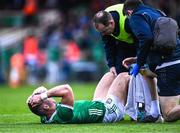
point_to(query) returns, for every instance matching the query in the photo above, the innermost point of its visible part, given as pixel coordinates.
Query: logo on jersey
(95, 112)
(111, 106)
(109, 101)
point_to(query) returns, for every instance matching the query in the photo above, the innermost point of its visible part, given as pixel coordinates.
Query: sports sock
(155, 109)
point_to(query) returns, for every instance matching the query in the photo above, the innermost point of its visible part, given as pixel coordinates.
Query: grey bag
(165, 35)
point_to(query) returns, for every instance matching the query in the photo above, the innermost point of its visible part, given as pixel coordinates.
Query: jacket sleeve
(109, 47)
(144, 35)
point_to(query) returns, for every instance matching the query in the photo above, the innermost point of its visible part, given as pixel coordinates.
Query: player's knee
(109, 75)
(125, 76)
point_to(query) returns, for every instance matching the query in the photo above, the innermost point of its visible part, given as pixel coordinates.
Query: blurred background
(53, 41)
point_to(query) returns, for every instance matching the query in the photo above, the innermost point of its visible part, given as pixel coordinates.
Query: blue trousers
(169, 80)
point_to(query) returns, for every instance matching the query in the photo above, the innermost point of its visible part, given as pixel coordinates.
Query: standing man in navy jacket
(167, 67)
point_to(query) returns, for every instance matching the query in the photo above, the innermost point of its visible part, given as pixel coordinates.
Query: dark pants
(121, 54)
(169, 80)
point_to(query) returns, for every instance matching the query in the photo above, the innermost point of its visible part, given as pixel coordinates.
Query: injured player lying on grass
(107, 105)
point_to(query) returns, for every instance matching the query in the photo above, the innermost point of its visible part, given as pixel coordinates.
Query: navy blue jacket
(142, 23)
(116, 50)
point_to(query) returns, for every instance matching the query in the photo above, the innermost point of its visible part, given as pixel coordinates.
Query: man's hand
(113, 70)
(128, 61)
(36, 100)
(148, 73)
(134, 70)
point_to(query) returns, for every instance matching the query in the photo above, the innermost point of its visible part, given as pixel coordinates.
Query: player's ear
(112, 23)
(46, 107)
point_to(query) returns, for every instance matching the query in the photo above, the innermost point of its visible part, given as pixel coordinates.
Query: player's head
(44, 108)
(103, 22)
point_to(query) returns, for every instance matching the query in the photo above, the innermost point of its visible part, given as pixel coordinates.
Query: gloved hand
(134, 69)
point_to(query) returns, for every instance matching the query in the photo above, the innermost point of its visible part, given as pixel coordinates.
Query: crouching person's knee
(169, 117)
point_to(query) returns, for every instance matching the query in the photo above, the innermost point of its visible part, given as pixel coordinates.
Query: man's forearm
(59, 91)
(143, 53)
(63, 91)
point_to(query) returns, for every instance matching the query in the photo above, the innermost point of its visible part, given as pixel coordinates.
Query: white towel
(131, 105)
(138, 92)
(146, 93)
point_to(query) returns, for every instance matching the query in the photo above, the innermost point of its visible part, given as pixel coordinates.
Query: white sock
(155, 109)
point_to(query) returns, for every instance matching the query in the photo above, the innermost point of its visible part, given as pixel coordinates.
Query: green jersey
(83, 112)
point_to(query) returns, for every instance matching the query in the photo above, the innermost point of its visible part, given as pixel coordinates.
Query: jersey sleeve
(64, 112)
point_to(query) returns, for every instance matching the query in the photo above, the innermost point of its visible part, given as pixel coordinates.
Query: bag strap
(161, 12)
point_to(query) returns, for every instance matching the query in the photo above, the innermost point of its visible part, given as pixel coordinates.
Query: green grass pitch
(16, 118)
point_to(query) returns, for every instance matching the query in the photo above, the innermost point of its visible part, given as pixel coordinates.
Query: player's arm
(62, 91)
(65, 109)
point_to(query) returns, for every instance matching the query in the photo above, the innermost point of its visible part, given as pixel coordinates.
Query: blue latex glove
(134, 70)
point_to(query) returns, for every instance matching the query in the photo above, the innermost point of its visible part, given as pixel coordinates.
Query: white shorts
(115, 110)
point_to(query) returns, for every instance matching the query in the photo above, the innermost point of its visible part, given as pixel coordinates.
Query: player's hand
(36, 100)
(128, 61)
(39, 90)
(113, 70)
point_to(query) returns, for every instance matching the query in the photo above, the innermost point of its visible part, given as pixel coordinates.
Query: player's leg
(119, 87)
(170, 108)
(151, 80)
(155, 108)
(103, 86)
(116, 98)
